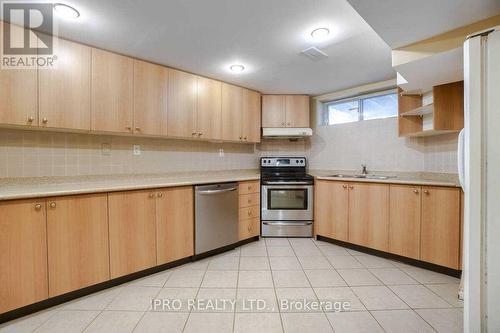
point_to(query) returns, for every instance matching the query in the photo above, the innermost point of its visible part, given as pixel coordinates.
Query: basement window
(363, 107)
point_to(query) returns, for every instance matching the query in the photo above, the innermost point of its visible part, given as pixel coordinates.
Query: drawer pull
(38, 206)
(52, 204)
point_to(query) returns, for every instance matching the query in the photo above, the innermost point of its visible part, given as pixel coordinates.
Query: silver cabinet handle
(45, 120)
(415, 191)
(287, 223)
(210, 192)
(52, 205)
(38, 206)
(30, 119)
(160, 195)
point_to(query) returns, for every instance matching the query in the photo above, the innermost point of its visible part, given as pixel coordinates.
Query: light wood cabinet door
(273, 111)
(251, 116)
(249, 228)
(331, 210)
(64, 91)
(182, 90)
(174, 224)
(23, 253)
(77, 238)
(150, 98)
(297, 111)
(209, 109)
(132, 232)
(440, 240)
(112, 92)
(369, 215)
(404, 220)
(232, 103)
(18, 91)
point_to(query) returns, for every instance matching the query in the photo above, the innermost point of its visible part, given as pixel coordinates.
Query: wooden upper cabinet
(174, 224)
(297, 111)
(132, 232)
(64, 91)
(448, 100)
(369, 215)
(440, 240)
(150, 98)
(23, 253)
(182, 91)
(273, 111)
(78, 248)
(404, 220)
(331, 210)
(232, 104)
(285, 111)
(112, 92)
(250, 122)
(18, 91)
(209, 109)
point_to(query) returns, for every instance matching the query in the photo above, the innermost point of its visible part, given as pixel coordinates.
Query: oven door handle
(288, 223)
(286, 183)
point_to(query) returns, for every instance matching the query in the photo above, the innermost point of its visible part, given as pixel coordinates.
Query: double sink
(361, 176)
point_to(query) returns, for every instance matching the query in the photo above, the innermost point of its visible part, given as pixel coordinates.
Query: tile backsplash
(374, 143)
(343, 147)
(39, 153)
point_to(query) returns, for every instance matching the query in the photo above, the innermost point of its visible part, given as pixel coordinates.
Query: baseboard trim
(57, 300)
(413, 262)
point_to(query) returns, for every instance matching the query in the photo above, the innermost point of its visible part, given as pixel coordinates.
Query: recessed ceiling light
(237, 68)
(66, 11)
(320, 33)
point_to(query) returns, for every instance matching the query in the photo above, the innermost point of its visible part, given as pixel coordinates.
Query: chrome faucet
(364, 172)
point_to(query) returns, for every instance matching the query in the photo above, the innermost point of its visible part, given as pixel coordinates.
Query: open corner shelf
(420, 111)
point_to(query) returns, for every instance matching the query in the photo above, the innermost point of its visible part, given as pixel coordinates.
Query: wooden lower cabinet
(132, 231)
(249, 209)
(440, 241)
(174, 224)
(23, 253)
(404, 221)
(332, 210)
(369, 215)
(77, 237)
(249, 228)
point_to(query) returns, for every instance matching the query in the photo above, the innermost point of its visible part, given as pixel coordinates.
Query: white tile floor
(383, 295)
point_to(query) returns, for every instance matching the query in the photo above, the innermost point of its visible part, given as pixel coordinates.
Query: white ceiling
(402, 22)
(205, 36)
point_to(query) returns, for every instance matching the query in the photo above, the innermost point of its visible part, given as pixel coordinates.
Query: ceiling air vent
(314, 53)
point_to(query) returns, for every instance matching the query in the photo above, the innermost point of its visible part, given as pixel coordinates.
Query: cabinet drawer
(250, 187)
(249, 228)
(247, 200)
(249, 212)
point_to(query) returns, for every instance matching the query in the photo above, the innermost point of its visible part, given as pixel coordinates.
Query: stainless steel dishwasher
(216, 216)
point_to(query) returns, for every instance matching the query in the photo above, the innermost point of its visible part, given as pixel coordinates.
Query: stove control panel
(283, 162)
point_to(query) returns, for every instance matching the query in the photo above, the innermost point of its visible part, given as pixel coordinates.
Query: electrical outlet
(106, 149)
(221, 152)
(137, 150)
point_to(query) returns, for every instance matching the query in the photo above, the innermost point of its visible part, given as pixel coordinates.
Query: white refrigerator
(480, 174)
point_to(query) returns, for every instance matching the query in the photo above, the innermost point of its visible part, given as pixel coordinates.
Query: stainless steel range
(287, 194)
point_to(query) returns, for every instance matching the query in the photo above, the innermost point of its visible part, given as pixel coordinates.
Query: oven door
(287, 202)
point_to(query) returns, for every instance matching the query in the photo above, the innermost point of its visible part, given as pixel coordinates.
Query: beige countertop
(38, 187)
(408, 178)
(23, 188)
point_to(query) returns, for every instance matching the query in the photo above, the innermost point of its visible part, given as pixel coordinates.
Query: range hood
(286, 133)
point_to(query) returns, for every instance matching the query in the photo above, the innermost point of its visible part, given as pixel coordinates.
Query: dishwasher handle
(213, 192)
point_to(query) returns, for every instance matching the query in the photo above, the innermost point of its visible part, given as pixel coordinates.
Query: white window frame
(359, 98)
